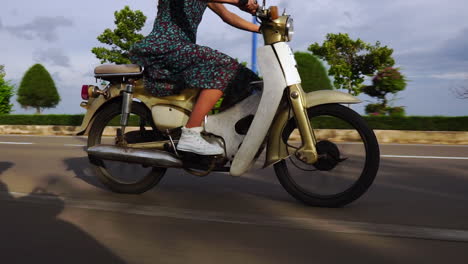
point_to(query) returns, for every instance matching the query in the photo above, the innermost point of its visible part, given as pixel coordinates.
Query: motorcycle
(316, 166)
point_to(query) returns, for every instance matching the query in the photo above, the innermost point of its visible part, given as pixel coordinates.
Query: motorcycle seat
(121, 70)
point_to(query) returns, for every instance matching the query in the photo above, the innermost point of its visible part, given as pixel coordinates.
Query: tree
(122, 38)
(6, 92)
(387, 81)
(313, 73)
(37, 89)
(351, 61)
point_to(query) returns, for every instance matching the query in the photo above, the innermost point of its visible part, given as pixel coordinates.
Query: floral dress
(174, 62)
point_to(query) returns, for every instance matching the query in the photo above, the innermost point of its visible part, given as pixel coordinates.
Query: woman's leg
(191, 139)
(206, 101)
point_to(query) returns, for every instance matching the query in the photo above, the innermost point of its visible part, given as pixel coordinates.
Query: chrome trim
(119, 74)
(155, 158)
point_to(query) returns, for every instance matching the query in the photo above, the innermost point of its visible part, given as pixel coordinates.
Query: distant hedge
(415, 123)
(57, 120)
(418, 123)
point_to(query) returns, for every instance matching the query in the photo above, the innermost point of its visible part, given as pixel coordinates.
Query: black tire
(354, 188)
(150, 177)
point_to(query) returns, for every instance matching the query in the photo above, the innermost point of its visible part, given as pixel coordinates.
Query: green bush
(56, 120)
(6, 92)
(61, 120)
(37, 89)
(418, 123)
(313, 74)
(396, 111)
(375, 109)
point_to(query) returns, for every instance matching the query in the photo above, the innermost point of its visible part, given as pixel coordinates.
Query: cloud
(447, 61)
(348, 15)
(43, 28)
(57, 77)
(53, 56)
(451, 76)
(456, 48)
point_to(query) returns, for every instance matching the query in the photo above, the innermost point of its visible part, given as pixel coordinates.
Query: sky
(429, 38)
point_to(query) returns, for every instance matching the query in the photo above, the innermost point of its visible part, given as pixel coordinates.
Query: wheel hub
(329, 156)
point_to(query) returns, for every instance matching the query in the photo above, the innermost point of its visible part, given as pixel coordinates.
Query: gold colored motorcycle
(132, 135)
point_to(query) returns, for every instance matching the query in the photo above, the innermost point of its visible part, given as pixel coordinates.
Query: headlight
(290, 28)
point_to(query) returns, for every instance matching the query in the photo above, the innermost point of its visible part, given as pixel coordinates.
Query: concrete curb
(399, 136)
(384, 136)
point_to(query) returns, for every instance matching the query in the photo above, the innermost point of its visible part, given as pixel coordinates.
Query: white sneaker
(192, 141)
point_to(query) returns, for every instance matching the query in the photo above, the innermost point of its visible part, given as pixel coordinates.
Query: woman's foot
(192, 141)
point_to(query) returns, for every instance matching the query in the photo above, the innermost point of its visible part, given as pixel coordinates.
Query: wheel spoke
(348, 159)
(122, 176)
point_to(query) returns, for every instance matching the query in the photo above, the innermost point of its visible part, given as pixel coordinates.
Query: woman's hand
(231, 18)
(249, 6)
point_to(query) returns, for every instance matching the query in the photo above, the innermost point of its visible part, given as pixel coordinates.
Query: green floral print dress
(173, 61)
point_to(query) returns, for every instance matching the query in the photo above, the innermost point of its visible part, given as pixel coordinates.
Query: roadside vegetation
(416, 123)
(350, 63)
(6, 92)
(37, 89)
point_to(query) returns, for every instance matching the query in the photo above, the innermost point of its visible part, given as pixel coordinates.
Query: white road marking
(17, 143)
(424, 145)
(335, 226)
(42, 136)
(350, 143)
(45, 136)
(74, 145)
(407, 144)
(423, 157)
(346, 143)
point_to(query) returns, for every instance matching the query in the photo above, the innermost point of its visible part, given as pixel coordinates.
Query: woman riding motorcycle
(173, 62)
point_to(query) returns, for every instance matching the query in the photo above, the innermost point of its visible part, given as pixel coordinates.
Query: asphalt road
(53, 210)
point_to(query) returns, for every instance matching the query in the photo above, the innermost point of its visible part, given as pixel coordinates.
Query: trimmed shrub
(37, 89)
(313, 74)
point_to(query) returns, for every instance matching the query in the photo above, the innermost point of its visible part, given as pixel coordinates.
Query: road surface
(53, 210)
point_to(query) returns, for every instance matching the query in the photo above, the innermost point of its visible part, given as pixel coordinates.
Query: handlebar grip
(274, 12)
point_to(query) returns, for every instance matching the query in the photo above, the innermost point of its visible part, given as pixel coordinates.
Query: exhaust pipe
(154, 158)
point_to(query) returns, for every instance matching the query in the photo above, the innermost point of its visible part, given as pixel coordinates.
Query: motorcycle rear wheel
(122, 177)
(346, 169)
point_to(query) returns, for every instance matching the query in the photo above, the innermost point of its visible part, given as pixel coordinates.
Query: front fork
(307, 153)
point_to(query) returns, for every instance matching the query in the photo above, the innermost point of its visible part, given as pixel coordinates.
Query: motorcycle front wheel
(118, 176)
(348, 162)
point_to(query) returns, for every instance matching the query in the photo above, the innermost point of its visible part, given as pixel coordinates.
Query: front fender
(329, 97)
(276, 148)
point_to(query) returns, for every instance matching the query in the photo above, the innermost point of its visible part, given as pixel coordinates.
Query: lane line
(350, 143)
(383, 156)
(335, 226)
(423, 157)
(424, 145)
(17, 143)
(42, 136)
(408, 144)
